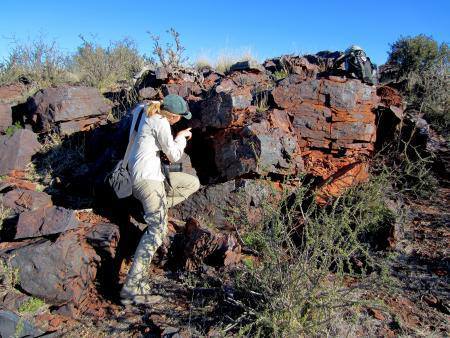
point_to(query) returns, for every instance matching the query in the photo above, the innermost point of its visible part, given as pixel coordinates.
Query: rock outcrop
(20, 200)
(16, 150)
(62, 272)
(321, 126)
(256, 129)
(67, 109)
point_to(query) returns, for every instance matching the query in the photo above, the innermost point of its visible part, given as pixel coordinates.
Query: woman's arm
(172, 148)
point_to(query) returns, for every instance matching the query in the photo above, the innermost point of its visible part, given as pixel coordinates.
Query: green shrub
(425, 66)
(413, 54)
(280, 74)
(31, 305)
(409, 170)
(35, 61)
(12, 129)
(305, 253)
(106, 67)
(9, 276)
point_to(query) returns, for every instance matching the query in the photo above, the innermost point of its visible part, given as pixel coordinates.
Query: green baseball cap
(175, 104)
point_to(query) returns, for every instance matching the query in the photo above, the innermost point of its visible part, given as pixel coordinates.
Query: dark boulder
(228, 204)
(20, 200)
(45, 221)
(67, 109)
(63, 272)
(12, 325)
(16, 150)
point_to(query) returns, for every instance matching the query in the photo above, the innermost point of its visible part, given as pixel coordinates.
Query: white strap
(138, 110)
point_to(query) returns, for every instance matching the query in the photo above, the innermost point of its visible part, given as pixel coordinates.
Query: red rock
(13, 93)
(389, 96)
(45, 221)
(63, 272)
(70, 127)
(375, 313)
(16, 150)
(50, 108)
(204, 246)
(20, 183)
(5, 116)
(20, 200)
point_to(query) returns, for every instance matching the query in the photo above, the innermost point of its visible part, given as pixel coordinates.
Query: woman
(154, 135)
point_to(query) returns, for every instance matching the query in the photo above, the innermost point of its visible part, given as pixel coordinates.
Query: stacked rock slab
(16, 150)
(310, 122)
(334, 120)
(62, 271)
(67, 109)
(319, 126)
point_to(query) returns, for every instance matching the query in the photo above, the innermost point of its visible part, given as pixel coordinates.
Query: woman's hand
(185, 133)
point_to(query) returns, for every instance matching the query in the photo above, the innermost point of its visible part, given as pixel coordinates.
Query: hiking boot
(130, 298)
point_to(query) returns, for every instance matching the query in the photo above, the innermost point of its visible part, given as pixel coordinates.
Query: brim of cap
(187, 115)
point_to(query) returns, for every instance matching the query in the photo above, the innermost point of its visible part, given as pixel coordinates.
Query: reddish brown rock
(5, 116)
(45, 221)
(148, 93)
(13, 93)
(204, 246)
(16, 150)
(324, 127)
(20, 200)
(228, 204)
(63, 272)
(184, 89)
(51, 108)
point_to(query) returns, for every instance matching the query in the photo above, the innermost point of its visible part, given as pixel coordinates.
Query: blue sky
(208, 28)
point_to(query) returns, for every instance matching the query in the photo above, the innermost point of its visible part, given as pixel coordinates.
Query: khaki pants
(155, 201)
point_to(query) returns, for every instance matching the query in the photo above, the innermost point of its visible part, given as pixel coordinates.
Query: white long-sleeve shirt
(153, 135)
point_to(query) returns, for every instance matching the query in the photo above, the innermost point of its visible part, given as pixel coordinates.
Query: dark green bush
(424, 64)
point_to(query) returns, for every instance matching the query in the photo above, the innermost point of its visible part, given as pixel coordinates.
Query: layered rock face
(67, 109)
(322, 126)
(63, 271)
(290, 117)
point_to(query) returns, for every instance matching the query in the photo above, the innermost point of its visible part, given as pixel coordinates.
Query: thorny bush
(305, 252)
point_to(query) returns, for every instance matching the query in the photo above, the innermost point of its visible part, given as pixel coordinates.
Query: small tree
(172, 56)
(415, 54)
(424, 64)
